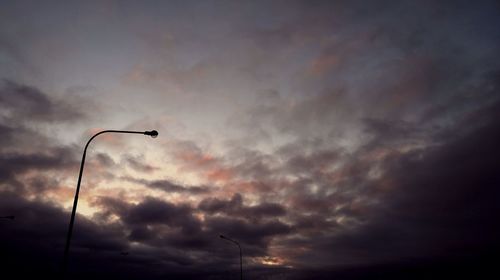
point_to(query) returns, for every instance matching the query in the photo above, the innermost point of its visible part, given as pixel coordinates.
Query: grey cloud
(154, 211)
(25, 103)
(13, 165)
(170, 187)
(105, 159)
(24, 147)
(254, 234)
(235, 207)
(309, 163)
(37, 236)
(379, 121)
(442, 199)
(151, 212)
(160, 223)
(397, 68)
(138, 164)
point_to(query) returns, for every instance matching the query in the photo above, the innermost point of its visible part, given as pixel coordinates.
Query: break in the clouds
(329, 138)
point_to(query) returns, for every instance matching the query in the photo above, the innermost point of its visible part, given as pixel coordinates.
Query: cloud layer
(345, 139)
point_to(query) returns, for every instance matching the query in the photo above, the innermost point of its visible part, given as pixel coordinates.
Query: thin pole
(241, 255)
(75, 201)
(241, 263)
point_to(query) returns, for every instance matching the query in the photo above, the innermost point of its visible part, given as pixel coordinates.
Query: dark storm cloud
(443, 202)
(170, 187)
(154, 211)
(14, 165)
(378, 123)
(32, 164)
(173, 227)
(255, 235)
(404, 77)
(147, 218)
(37, 236)
(254, 226)
(170, 231)
(235, 207)
(26, 149)
(401, 82)
(437, 202)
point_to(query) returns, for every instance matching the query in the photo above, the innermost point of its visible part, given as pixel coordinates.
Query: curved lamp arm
(152, 133)
(241, 257)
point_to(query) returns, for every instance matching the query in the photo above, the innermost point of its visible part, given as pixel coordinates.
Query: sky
(346, 139)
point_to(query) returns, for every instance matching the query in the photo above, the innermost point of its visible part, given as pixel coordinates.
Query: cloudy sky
(326, 137)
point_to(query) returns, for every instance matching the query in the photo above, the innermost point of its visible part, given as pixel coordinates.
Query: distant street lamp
(152, 133)
(241, 258)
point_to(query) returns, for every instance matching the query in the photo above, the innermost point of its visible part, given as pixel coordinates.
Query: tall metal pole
(241, 256)
(241, 263)
(152, 133)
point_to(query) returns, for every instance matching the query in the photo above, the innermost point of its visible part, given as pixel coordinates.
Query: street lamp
(152, 133)
(241, 259)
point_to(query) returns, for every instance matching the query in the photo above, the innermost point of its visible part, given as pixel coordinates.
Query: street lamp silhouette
(241, 258)
(152, 133)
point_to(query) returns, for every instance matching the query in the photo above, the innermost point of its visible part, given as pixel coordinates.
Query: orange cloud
(219, 175)
(194, 158)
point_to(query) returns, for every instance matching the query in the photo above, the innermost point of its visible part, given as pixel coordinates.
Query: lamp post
(241, 258)
(152, 133)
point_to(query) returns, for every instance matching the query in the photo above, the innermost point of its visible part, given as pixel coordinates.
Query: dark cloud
(169, 187)
(255, 235)
(235, 207)
(139, 165)
(154, 211)
(370, 148)
(441, 203)
(153, 220)
(26, 150)
(36, 238)
(171, 226)
(104, 160)
(21, 102)
(14, 165)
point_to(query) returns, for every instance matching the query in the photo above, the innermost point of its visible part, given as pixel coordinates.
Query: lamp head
(152, 133)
